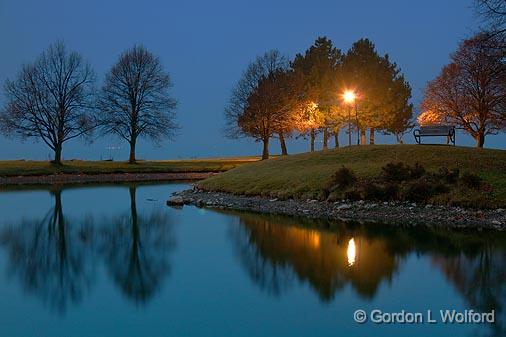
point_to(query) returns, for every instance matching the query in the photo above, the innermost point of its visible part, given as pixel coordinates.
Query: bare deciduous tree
(272, 109)
(471, 91)
(494, 14)
(51, 99)
(135, 100)
(263, 65)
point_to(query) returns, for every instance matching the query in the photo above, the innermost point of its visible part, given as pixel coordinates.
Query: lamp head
(349, 96)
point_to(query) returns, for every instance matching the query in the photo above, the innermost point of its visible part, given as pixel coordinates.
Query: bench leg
(451, 139)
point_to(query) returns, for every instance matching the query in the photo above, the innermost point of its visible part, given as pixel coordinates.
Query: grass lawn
(305, 175)
(22, 167)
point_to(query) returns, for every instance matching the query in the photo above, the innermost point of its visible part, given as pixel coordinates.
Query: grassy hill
(23, 168)
(305, 175)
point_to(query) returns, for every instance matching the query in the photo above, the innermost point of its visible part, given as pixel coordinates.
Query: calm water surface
(115, 261)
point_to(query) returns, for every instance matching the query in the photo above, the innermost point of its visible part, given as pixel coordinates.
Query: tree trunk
(371, 136)
(282, 142)
(134, 256)
(336, 137)
(325, 138)
(131, 158)
(312, 140)
(265, 153)
(480, 139)
(57, 155)
(133, 203)
(363, 140)
(59, 220)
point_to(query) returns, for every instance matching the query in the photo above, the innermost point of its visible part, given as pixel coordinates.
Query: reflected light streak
(351, 252)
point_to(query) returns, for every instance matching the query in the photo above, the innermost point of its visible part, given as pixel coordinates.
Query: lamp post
(358, 127)
(350, 97)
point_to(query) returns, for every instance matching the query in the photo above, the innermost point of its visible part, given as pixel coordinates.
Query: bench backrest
(436, 130)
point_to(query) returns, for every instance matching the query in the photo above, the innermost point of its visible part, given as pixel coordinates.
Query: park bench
(447, 131)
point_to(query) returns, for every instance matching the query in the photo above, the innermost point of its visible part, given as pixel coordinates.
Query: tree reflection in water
(481, 279)
(135, 249)
(274, 277)
(275, 251)
(55, 257)
(51, 256)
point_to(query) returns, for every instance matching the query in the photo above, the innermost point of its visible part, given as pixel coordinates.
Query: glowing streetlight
(349, 96)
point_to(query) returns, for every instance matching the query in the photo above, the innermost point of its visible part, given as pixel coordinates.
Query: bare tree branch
(471, 91)
(51, 99)
(135, 100)
(263, 65)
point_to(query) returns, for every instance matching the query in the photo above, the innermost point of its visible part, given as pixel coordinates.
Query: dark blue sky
(205, 45)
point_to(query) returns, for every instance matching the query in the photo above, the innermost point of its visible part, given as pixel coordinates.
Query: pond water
(116, 261)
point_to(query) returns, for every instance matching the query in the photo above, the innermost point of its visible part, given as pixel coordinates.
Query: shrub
(471, 180)
(342, 179)
(439, 188)
(390, 191)
(448, 176)
(395, 172)
(419, 190)
(398, 172)
(417, 171)
(352, 195)
(373, 191)
(334, 196)
(465, 197)
(399, 181)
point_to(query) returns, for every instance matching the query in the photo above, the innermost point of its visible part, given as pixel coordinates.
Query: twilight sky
(205, 45)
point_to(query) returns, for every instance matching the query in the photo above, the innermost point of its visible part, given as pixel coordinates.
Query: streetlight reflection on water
(351, 252)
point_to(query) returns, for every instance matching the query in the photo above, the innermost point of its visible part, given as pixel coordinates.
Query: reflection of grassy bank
(27, 168)
(306, 175)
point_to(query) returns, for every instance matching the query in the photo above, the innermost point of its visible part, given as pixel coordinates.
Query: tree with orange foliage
(470, 92)
(430, 117)
(309, 119)
(320, 67)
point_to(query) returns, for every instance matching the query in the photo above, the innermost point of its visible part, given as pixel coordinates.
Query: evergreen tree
(383, 93)
(320, 68)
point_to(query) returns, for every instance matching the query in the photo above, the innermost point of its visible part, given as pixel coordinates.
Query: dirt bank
(395, 213)
(101, 178)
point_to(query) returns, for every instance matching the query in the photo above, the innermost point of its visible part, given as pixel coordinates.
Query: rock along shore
(395, 213)
(102, 178)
